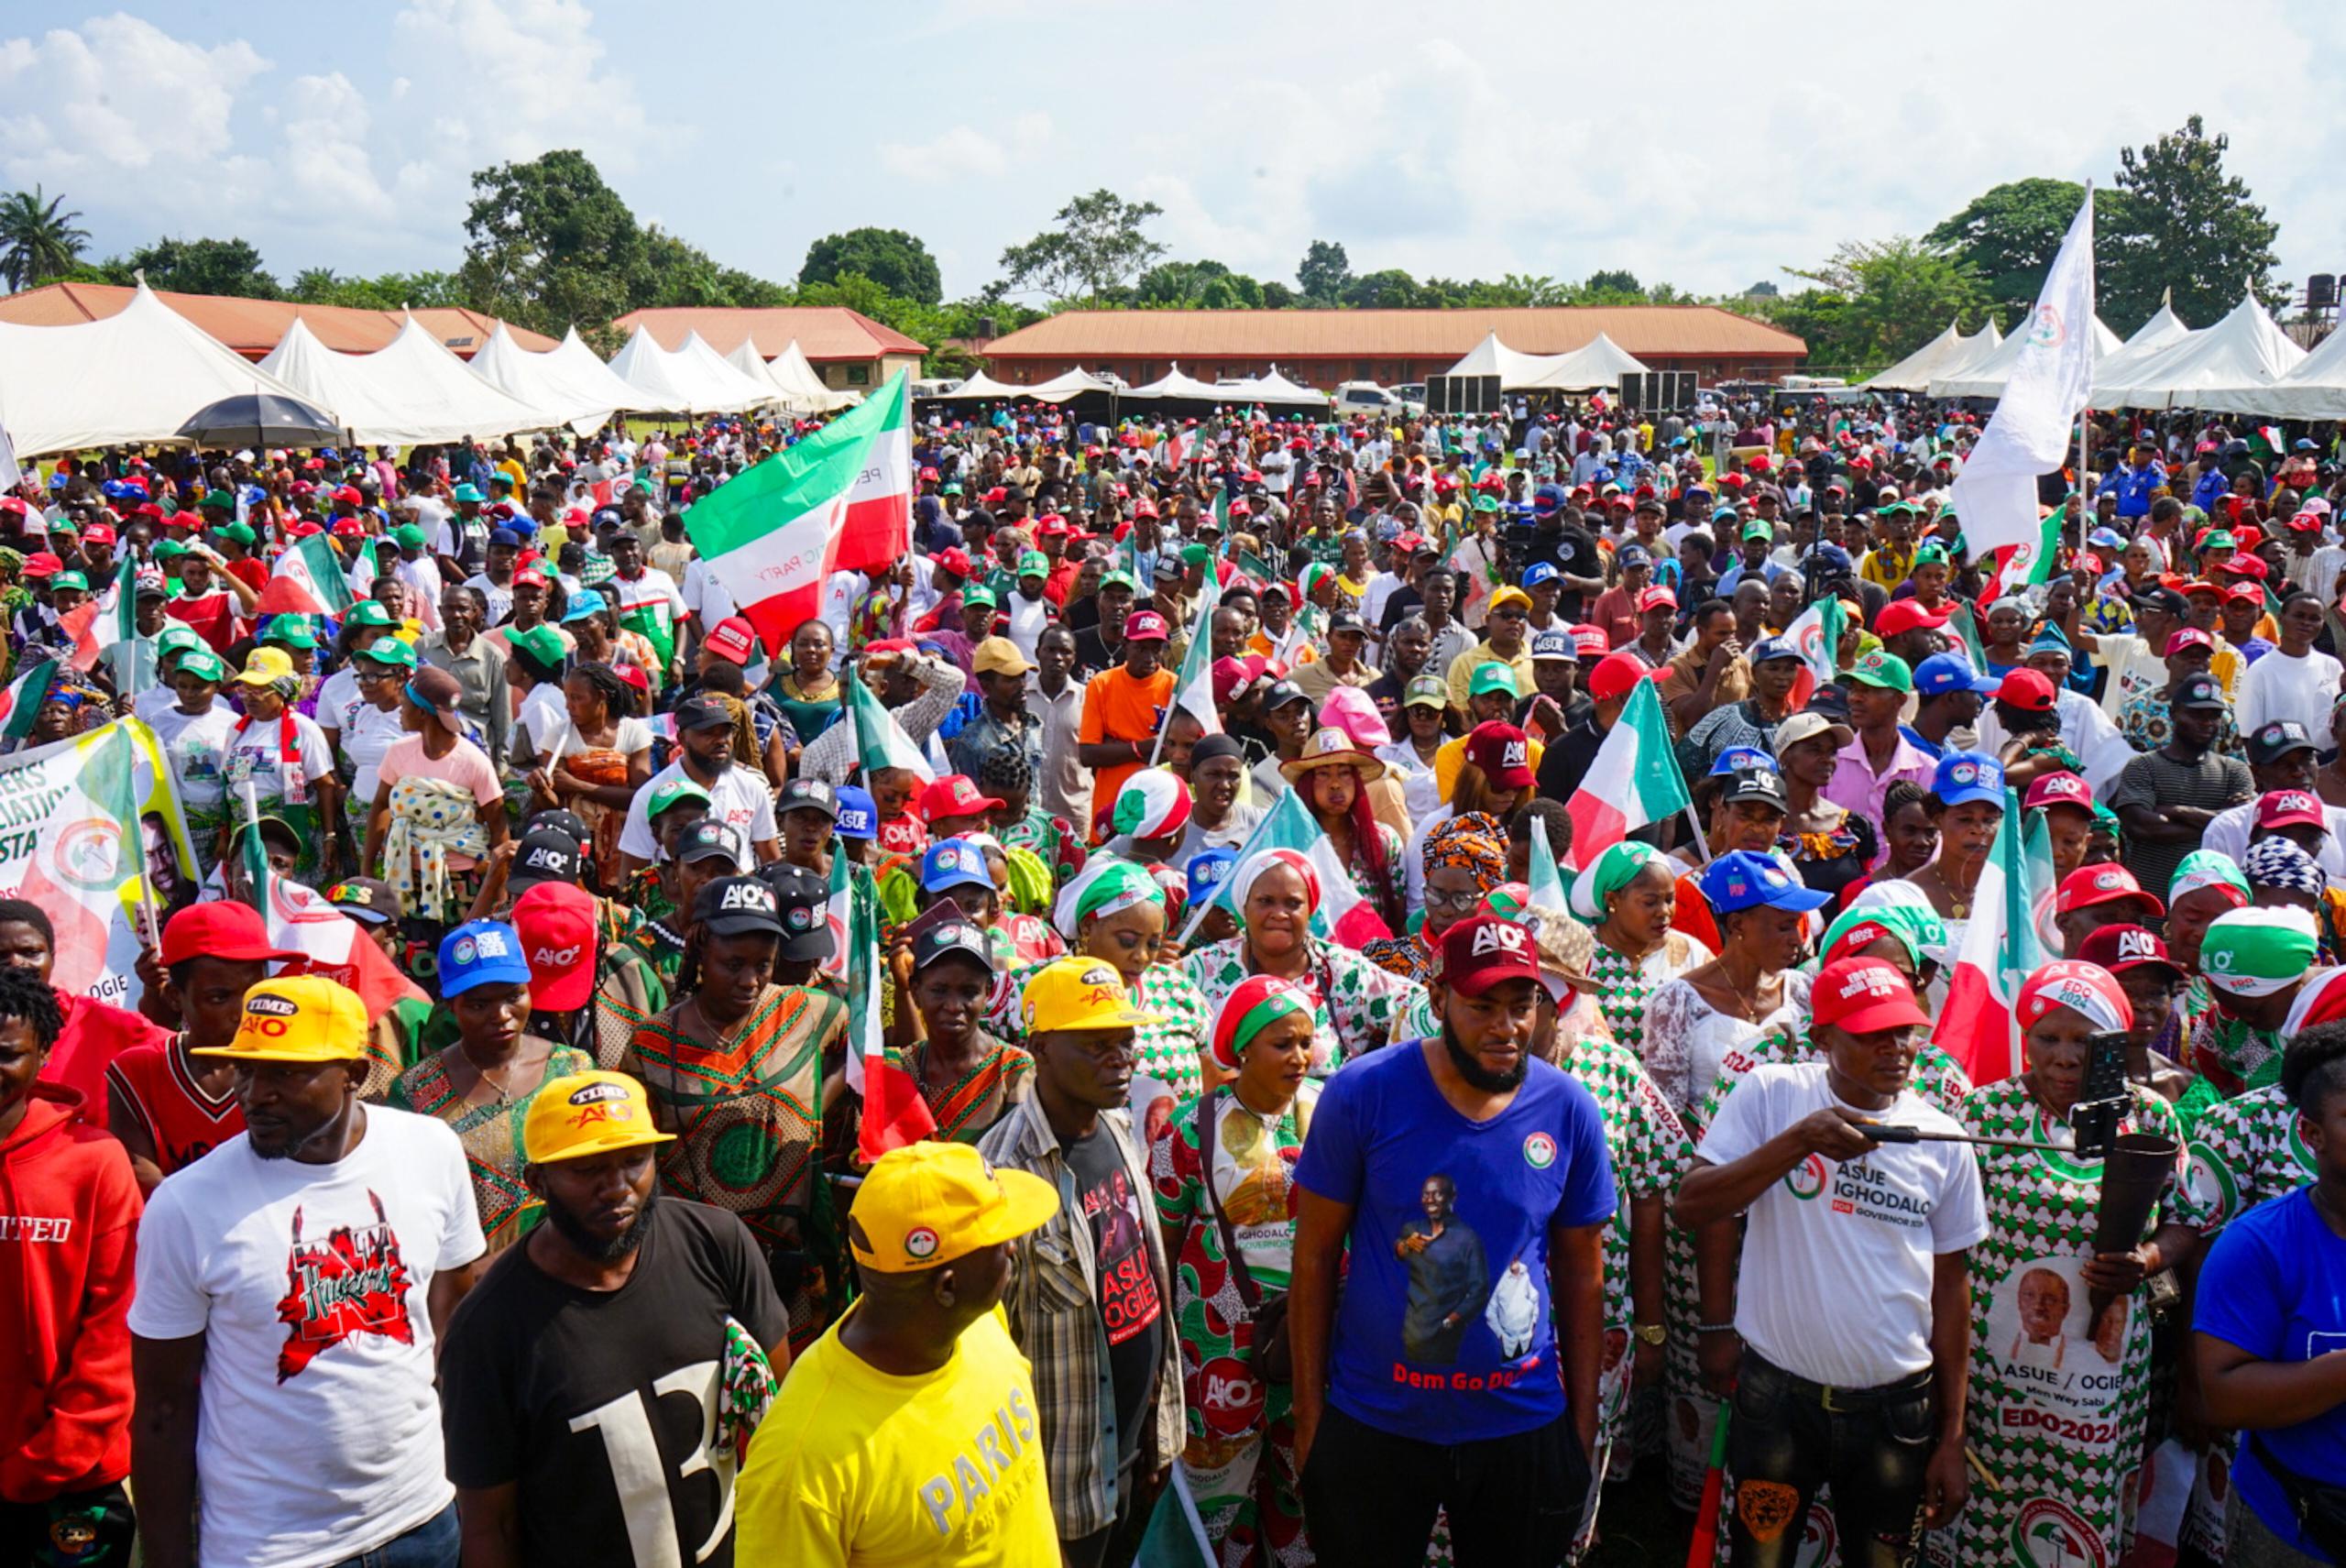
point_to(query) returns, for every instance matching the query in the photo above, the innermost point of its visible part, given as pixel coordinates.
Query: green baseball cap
(676, 791)
(982, 595)
(60, 522)
(1430, 691)
(410, 535)
(541, 642)
(175, 639)
(1120, 578)
(1492, 678)
(242, 532)
(1757, 528)
(1486, 503)
(292, 632)
(950, 488)
(391, 651)
(221, 499)
(367, 612)
(1033, 564)
(469, 493)
(167, 548)
(68, 580)
(205, 664)
(1887, 671)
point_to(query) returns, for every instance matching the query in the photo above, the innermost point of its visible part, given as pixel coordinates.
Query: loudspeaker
(2321, 291)
(1463, 394)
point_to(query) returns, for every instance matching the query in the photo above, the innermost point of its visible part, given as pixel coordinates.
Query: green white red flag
(895, 1113)
(1346, 916)
(839, 500)
(2000, 948)
(329, 942)
(1193, 685)
(2026, 565)
(307, 579)
(1815, 634)
(1634, 781)
(879, 741)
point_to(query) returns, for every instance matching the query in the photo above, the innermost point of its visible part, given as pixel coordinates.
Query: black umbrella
(261, 419)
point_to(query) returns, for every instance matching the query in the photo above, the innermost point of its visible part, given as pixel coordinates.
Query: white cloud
(324, 156)
(964, 153)
(118, 96)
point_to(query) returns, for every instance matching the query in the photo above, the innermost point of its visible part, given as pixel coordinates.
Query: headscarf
(2256, 952)
(1613, 871)
(1477, 840)
(2208, 868)
(2087, 990)
(1916, 927)
(2277, 862)
(1253, 1004)
(1250, 870)
(1105, 887)
(1152, 804)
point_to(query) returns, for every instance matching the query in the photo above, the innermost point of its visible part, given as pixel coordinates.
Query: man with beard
(581, 1382)
(1416, 1151)
(290, 1284)
(707, 733)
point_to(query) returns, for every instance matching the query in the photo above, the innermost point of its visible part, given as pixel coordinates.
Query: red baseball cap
(98, 533)
(2188, 637)
(2059, 789)
(1503, 753)
(555, 921)
(2121, 948)
(2289, 808)
(1589, 642)
(1145, 626)
(634, 676)
(1905, 615)
(219, 929)
(528, 577)
(1655, 598)
(953, 559)
(2028, 690)
(1864, 996)
(954, 795)
(1485, 950)
(349, 528)
(1617, 674)
(2089, 885)
(732, 640)
(42, 563)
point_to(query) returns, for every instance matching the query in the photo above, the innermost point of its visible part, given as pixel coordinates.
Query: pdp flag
(1633, 779)
(307, 579)
(1345, 916)
(1815, 634)
(1193, 687)
(2001, 948)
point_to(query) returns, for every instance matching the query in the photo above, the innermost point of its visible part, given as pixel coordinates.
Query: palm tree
(36, 241)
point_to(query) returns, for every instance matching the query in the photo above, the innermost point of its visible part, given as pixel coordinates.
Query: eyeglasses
(1512, 613)
(1460, 902)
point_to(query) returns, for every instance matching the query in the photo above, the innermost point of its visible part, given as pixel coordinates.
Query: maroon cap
(2028, 690)
(2289, 808)
(1145, 626)
(1503, 754)
(2187, 637)
(2059, 789)
(219, 929)
(2121, 948)
(1486, 949)
(1864, 996)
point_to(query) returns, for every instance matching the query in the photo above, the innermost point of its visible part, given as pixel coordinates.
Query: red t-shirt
(180, 1121)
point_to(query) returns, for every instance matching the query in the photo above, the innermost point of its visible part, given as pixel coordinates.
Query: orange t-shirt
(1118, 708)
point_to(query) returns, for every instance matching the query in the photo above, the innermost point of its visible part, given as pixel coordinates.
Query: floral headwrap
(1475, 841)
(1613, 871)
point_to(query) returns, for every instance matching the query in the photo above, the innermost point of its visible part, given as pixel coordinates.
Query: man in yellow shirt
(909, 1433)
(1507, 640)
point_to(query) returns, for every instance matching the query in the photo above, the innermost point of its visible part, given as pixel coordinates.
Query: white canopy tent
(801, 381)
(980, 387)
(1977, 349)
(582, 370)
(1600, 361)
(2153, 337)
(2244, 350)
(547, 381)
(131, 379)
(2314, 389)
(1987, 379)
(1277, 389)
(410, 393)
(1178, 383)
(670, 383)
(1913, 373)
(1516, 372)
(1067, 385)
(696, 352)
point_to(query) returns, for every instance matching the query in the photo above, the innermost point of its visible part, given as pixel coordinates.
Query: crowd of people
(1386, 1199)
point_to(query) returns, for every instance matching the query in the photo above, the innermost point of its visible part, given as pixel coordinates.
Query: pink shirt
(467, 767)
(1857, 788)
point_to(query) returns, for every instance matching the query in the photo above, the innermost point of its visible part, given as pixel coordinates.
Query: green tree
(1390, 290)
(2191, 227)
(1894, 294)
(890, 258)
(36, 241)
(1098, 247)
(201, 267)
(391, 292)
(1197, 285)
(549, 244)
(1277, 296)
(2011, 233)
(1619, 282)
(1323, 273)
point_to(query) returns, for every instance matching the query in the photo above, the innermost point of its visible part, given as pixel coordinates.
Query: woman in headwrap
(1465, 857)
(285, 758)
(1627, 896)
(1331, 776)
(2061, 1333)
(1115, 911)
(1026, 828)
(1222, 1169)
(72, 706)
(2281, 875)
(595, 764)
(2205, 885)
(1276, 893)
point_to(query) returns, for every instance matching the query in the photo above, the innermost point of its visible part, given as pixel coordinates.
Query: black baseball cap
(567, 823)
(803, 899)
(365, 899)
(1282, 693)
(707, 837)
(1346, 621)
(545, 855)
(953, 938)
(703, 710)
(2275, 740)
(2200, 691)
(808, 794)
(740, 907)
(2162, 598)
(1757, 783)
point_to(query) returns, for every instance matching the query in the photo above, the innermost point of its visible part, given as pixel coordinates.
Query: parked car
(1364, 397)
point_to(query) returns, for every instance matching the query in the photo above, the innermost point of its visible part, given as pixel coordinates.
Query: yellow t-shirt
(854, 1468)
(1451, 756)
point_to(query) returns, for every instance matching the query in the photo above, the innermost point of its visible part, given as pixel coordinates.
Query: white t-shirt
(1027, 618)
(634, 735)
(318, 1441)
(338, 699)
(370, 733)
(2279, 686)
(2228, 834)
(259, 750)
(154, 700)
(740, 798)
(545, 717)
(1829, 1235)
(197, 744)
(498, 594)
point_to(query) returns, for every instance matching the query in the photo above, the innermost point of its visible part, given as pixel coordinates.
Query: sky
(1459, 140)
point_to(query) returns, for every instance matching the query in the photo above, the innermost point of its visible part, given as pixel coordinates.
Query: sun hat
(1331, 747)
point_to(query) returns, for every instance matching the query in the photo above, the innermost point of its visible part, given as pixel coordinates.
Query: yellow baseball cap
(588, 1113)
(1079, 993)
(1509, 594)
(264, 665)
(928, 1203)
(297, 1018)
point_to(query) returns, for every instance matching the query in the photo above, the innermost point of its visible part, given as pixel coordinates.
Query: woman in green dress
(2060, 1332)
(1628, 895)
(807, 692)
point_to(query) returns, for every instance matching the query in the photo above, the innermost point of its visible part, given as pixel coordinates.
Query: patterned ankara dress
(1240, 1455)
(1624, 983)
(2059, 1396)
(491, 1134)
(957, 1105)
(747, 1113)
(1356, 1006)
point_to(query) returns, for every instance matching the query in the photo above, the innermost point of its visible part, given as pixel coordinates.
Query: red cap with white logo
(2289, 808)
(557, 924)
(1482, 952)
(1865, 996)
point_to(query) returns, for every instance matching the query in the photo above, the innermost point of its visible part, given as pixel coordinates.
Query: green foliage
(1619, 280)
(1196, 286)
(890, 258)
(550, 244)
(1887, 299)
(38, 243)
(2190, 228)
(199, 267)
(1097, 248)
(1391, 290)
(391, 292)
(1323, 273)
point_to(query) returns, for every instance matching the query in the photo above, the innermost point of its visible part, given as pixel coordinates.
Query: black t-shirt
(1130, 1306)
(1399, 605)
(1092, 655)
(1571, 550)
(554, 1388)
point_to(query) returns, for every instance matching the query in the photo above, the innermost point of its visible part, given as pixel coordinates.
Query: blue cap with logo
(1742, 758)
(481, 953)
(954, 863)
(1943, 673)
(859, 817)
(1540, 571)
(1741, 880)
(1969, 776)
(1209, 870)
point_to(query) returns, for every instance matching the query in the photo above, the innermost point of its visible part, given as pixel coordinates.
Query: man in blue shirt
(1470, 1183)
(2271, 1330)
(2135, 479)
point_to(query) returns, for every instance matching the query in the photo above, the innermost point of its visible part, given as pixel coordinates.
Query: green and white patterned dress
(2059, 1394)
(2243, 1152)
(1623, 983)
(1357, 1007)
(1171, 1050)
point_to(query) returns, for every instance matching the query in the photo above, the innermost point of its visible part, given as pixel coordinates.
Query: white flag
(1995, 491)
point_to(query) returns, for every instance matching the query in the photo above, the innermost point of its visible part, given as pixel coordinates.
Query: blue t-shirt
(2275, 1285)
(1444, 1331)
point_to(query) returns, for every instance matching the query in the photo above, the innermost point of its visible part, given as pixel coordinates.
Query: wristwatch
(1650, 1333)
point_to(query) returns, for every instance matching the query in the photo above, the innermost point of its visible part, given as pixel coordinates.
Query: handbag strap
(1249, 1291)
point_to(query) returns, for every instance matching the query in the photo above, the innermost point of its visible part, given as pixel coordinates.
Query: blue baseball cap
(859, 817)
(1547, 498)
(481, 953)
(585, 603)
(1943, 673)
(1738, 758)
(1969, 776)
(1209, 870)
(1540, 571)
(954, 863)
(1768, 647)
(1741, 880)
(1829, 558)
